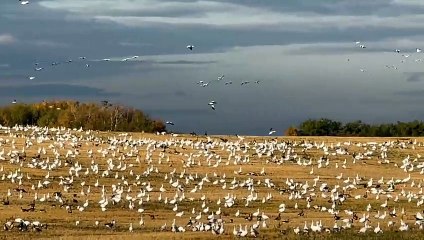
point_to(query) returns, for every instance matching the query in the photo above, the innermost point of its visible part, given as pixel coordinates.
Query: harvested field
(69, 184)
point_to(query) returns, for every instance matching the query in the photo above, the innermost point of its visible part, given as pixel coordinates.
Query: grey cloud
(163, 94)
(53, 90)
(174, 111)
(6, 39)
(184, 62)
(48, 44)
(238, 15)
(134, 44)
(415, 77)
(411, 93)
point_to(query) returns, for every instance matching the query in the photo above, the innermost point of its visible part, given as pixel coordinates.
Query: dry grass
(61, 225)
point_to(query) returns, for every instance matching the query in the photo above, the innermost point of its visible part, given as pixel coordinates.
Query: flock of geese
(397, 51)
(86, 63)
(213, 103)
(223, 185)
(238, 186)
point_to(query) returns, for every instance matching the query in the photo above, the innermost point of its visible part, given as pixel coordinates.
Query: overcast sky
(303, 52)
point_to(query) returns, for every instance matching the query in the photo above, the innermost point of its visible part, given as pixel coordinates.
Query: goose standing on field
(110, 224)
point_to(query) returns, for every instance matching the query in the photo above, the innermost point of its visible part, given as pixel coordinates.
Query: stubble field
(68, 184)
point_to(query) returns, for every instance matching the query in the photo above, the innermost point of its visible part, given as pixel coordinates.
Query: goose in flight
(190, 47)
(106, 59)
(271, 131)
(31, 78)
(358, 43)
(14, 101)
(419, 50)
(221, 77)
(244, 83)
(257, 82)
(24, 2)
(169, 123)
(230, 82)
(82, 58)
(39, 69)
(397, 50)
(212, 104)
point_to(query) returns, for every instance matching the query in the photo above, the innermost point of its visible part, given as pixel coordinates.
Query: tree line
(73, 114)
(327, 127)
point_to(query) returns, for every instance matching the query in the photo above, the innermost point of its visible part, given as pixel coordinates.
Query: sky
(302, 52)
